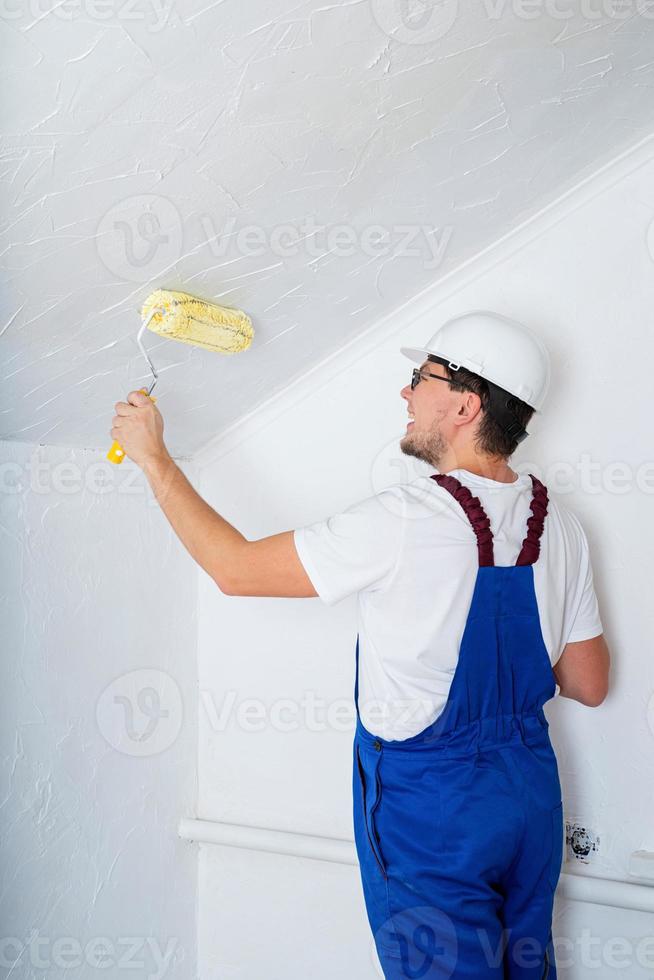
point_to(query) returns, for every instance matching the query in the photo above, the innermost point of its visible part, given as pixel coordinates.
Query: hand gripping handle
(117, 454)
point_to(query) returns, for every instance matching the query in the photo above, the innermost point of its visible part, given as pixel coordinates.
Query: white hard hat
(498, 349)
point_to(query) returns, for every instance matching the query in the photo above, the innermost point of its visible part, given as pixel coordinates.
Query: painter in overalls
(458, 824)
(459, 828)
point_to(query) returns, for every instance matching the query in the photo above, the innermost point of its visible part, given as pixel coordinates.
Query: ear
(469, 408)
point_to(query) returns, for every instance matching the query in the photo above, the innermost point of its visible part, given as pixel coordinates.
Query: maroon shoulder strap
(480, 522)
(531, 544)
(474, 512)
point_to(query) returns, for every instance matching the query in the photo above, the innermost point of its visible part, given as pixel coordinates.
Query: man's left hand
(138, 426)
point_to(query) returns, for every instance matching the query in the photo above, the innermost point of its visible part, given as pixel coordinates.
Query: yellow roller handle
(117, 454)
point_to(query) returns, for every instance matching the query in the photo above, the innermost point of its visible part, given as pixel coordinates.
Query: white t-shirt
(410, 555)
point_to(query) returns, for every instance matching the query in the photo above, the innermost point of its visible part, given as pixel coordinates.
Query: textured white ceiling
(143, 138)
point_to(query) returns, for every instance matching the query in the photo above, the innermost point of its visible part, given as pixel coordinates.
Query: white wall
(94, 587)
(585, 281)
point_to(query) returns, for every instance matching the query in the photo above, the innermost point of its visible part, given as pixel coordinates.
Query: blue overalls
(459, 829)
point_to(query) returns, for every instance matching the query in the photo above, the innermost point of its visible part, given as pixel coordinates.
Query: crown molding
(420, 305)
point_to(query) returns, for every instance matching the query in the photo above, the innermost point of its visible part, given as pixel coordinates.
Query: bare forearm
(209, 539)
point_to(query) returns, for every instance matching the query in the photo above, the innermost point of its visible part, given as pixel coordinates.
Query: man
(476, 597)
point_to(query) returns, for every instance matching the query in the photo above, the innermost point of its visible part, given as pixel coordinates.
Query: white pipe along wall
(276, 675)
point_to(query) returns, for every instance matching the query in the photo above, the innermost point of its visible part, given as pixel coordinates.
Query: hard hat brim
(414, 354)
(418, 355)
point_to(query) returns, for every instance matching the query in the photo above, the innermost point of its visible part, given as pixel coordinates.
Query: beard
(430, 447)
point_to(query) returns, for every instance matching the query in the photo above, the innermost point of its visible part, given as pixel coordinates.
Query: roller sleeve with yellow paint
(194, 321)
(180, 316)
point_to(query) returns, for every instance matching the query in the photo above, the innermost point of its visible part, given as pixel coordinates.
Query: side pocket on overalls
(546, 966)
(557, 846)
(369, 806)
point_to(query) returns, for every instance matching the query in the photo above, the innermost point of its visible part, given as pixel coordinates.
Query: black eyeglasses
(420, 374)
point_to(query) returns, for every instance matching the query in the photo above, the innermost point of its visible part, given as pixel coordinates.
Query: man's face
(430, 403)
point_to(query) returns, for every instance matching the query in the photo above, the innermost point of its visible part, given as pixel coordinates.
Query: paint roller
(180, 316)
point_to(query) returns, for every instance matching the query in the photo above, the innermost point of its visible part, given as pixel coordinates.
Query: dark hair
(491, 437)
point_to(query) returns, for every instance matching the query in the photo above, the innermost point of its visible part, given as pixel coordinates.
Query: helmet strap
(501, 405)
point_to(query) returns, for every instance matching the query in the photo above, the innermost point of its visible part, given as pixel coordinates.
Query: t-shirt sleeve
(586, 622)
(355, 550)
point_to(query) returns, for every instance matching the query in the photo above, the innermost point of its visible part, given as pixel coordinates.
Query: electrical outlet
(582, 842)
